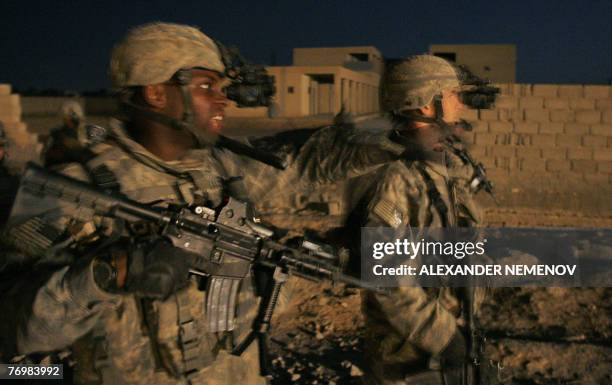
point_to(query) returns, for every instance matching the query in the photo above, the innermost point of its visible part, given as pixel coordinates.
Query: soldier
(130, 312)
(65, 143)
(429, 187)
(3, 145)
(8, 182)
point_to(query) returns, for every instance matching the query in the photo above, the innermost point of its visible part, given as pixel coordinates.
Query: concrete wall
(42, 113)
(296, 92)
(252, 112)
(548, 146)
(500, 59)
(339, 56)
(50, 105)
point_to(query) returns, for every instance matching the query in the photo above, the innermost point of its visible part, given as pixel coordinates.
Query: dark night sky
(66, 44)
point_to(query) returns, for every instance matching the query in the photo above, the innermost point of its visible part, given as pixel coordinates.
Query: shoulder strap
(434, 194)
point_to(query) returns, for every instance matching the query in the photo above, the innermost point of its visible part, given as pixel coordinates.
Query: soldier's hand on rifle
(154, 269)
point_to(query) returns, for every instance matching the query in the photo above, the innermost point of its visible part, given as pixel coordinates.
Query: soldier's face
(452, 106)
(431, 136)
(208, 100)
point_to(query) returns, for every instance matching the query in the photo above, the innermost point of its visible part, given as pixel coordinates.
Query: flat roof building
(361, 58)
(323, 80)
(496, 62)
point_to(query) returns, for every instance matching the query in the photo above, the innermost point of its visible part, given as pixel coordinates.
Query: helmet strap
(187, 122)
(183, 79)
(437, 120)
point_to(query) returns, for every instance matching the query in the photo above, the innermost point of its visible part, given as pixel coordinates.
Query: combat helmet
(158, 52)
(154, 53)
(71, 110)
(416, 82)
(413, 83)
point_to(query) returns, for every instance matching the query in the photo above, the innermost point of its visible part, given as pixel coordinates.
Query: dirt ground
(537, 335)
(533, 335)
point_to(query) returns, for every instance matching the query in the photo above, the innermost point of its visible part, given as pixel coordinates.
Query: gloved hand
(154, 269)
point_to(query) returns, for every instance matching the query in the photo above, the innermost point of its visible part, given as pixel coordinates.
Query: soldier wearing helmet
(8, 182)
(3, 144)
(65, 143)
(422, 96)
(409, 327)
(171, 77)
(130, 312)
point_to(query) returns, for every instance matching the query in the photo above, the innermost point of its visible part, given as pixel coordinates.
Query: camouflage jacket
(318, 188)
(8, 188)
(123, 339)
(404, 323)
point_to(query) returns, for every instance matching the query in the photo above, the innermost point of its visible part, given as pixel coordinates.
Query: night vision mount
(477, 93)
(251, 86)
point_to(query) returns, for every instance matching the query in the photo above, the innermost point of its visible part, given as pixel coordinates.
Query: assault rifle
(225, 243)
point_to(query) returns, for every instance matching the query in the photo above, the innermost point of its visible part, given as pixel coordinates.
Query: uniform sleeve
(336, 153)
(331, 154)
(393, 201)
(259, 179)
(52, 298)
(416, 315)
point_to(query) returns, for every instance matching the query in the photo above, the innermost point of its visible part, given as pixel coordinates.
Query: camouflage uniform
(123, 339)
(8, 182)
(408, 325)
(400, 326)
(65, 143)
(317, 190)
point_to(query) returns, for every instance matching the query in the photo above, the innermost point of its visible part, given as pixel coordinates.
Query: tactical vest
(199, 339)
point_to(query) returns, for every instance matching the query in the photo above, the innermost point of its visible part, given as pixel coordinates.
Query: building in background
(322, 80)
(362, 59)
(319, 83)
(496, 62)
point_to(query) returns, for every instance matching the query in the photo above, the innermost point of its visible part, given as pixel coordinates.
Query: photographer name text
(475, 270)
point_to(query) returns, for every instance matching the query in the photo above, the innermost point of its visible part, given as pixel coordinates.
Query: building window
(290, 90)
(359, 56)
(323, 78)
(450, 56)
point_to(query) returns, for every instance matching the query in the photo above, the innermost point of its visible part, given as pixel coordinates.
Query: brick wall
(548, 146)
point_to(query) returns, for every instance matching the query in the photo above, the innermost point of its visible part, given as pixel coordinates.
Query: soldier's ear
(154, 95)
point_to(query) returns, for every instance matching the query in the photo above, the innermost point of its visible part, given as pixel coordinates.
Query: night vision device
(477, 93)
(250, 86)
